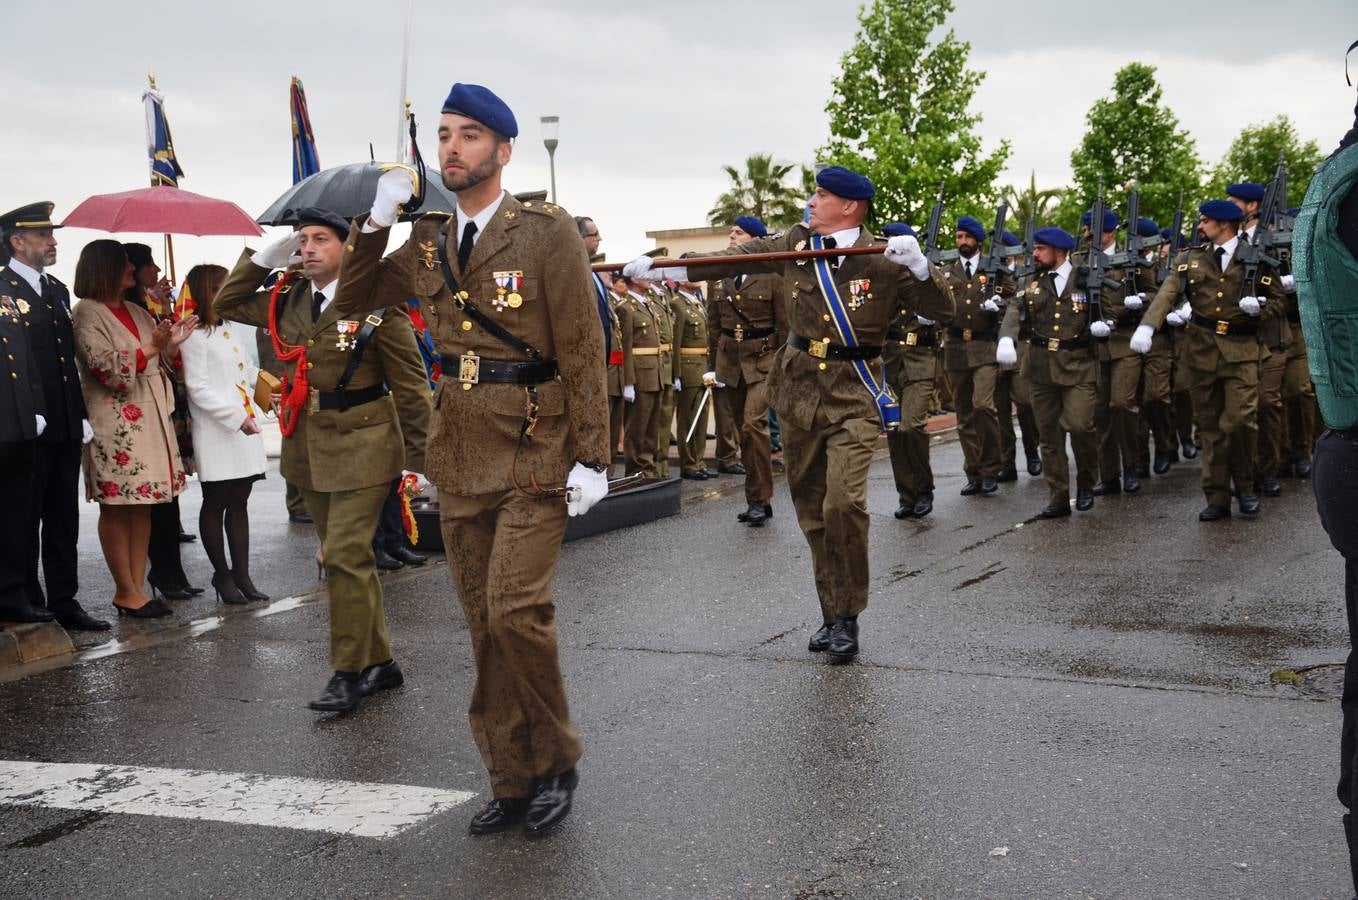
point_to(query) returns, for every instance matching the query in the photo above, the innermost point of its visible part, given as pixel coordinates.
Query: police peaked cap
(1054, 237)
(972, 226)
(34, 215)
(1221, 210)
(480, 104)
(752, 225)
(315, 215)
(1147, 227)
(1245, 190)
(899, 229)
(1110, 219)
(845, 183)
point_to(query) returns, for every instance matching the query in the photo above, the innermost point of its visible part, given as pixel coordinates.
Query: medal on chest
(427, 253)
(859, 294)
(507, 294)
(347, 329)
(1078, 301)
(8, 308)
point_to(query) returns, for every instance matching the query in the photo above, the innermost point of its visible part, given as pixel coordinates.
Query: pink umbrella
(165, 210)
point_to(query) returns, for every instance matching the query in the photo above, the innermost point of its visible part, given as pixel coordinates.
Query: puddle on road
(1320, 682)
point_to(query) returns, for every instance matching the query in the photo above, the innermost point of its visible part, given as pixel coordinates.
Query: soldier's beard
(966, 252)
(469, 178)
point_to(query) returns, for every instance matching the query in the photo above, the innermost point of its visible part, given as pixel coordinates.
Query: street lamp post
(551, 125)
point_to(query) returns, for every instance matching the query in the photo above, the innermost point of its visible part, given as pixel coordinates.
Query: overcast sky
(653, 100)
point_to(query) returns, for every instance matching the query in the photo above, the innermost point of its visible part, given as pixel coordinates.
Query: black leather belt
(967, 334)
(343, 400)
(827, 350)
(476, 370)
(1055, 344)
(1129, 319)
(741, 333)
(1219, 326)
(925, 337)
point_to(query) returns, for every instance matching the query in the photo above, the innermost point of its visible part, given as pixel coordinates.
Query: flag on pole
(159, 144)
(305, 160)
(184, 302)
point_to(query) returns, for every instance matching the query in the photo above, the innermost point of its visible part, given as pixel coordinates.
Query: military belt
(1054, 344)
(645, 351)
(967, 334)
(827, 350)
(692, 351)
(1220, 326)
(741, 333)
(476, 370)
(665, 348)
(925, 337)
(343, 400)
(1129, 319)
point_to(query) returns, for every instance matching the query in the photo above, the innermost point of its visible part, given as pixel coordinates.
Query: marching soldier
(1299, 394)
(747, 325)
(354, 414)
(826, 381)
(608, 318)
(1180, 401)
(1208, 290)
(1156, 424)
(659, 295)
(521, 427)
(1062, 369)
(969, 357)
(690, 337)
(1011, 395)
(908, 364)
(641, 376)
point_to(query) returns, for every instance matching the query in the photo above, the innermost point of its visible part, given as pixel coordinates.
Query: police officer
(354, 415)
(1209, 290)
(521, 425)
(826, 381)
(53, 516)
(1062, 368)
(747, 324)
(689, 311)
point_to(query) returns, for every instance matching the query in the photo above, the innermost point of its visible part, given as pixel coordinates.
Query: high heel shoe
(169, 593)
(153, 610)
(247, 587)
(226, 589)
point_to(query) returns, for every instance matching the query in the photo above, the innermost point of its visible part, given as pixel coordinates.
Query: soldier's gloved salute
(394, 189)
(280, 253)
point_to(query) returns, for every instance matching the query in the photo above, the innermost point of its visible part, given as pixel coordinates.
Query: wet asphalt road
(1095, 694)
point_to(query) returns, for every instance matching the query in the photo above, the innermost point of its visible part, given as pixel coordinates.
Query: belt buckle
(818, 349)
(469, 369)
(966, 334)
(1223, 327)
(911, 339)
(1053, 344)
(313, 402)
(740, 332)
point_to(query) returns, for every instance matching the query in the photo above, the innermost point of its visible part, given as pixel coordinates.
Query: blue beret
(1054, 237)
(751, 226)
(1221, 210)
(1009, 239)
(1110, 219)
(1147, 228)
(970, 225)
(476, 102)
(1294, 212)
(1245, 190)
(845, 183)
(315, 215)
(897, 229)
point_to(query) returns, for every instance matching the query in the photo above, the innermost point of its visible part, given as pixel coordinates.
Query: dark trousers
(16, 480)
(391, 531)
(1334, 478)
(54, 525)
(163, 550)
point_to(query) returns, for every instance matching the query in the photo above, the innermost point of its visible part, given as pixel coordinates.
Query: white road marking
(312, 804)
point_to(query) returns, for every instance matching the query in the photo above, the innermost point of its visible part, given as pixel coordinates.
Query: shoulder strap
(496, 330)
(365, 336)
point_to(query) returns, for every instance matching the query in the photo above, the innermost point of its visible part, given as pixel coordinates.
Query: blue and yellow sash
(887, 407)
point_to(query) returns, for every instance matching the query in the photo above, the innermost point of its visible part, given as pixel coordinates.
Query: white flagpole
(402, 136)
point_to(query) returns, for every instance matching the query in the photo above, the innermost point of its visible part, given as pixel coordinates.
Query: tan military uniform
(641, 333)
(690, 354)
(502, 536)
(908, 358)
(969, 359)
(1299, 395)
(1221, 354)
(1062, 368)
(747, 324)
(1156, 422)
(344, 460)
(829, 420)
(659, 295)
(1120, 369)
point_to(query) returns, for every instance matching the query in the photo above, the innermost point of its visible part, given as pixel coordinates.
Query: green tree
(1132, 137)
(761, 190)
(1030, 203)
(900, 114)
(1253, 156)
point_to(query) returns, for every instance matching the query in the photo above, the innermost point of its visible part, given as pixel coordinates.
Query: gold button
(528, 204)
(1218, 309)
(11, 356)
(463, 295)
(64, 378)
(826, 317)
(466, 326)
(61, 359)
(1058, 315)
(311, 365)
(13, 375)
(968, 303)
(1056, 328)
(349, 247)
(311, 343)
(466, 387)
(58, 340)
(822, 367)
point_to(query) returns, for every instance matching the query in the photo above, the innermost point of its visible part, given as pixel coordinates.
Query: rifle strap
(365, 335)
(496, 330)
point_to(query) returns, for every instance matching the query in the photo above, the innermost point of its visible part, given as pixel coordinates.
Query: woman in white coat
(220, 373)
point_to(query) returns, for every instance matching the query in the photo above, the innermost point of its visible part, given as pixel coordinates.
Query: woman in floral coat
(133, 461)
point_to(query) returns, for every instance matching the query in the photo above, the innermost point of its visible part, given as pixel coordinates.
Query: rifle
(1097, 264)
(993, 262)
(931, 232)
(1024, 273)
(1175, 241)
(1136, 244)
(1266, 247)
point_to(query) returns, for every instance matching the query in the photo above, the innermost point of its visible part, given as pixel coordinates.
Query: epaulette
(774, 236)
(433, 214)
(550, 210)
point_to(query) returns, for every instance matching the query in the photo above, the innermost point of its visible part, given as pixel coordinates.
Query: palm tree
(1030, 203)
(761, 190)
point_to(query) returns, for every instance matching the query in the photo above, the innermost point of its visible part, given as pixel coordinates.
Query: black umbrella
(348, 191)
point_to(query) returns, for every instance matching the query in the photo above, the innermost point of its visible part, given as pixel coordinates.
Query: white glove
(992, 303)
(1134, 301)
(1141, 339)
(280, 252)
(86, 431)
(629, 393)
(1100, 329)
(710, 379)
(1174, 319)
(924, 321)
(584, 488)
(1005, 354)
(394, 188)
(1186, 312)
(421, 485)
(1289, 284)
(639, 268)
(41, 423)
(678, 384)
(904, 250)
(1250, 305)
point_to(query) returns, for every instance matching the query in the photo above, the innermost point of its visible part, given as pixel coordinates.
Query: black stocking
(238, 532)
(216, 495)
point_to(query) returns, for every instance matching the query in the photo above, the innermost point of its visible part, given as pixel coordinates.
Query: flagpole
(403, 100)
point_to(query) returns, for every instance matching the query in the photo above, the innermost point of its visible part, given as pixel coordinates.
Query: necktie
(42, 286)
(830, 243)
(464, 246)
(317, 298)
(968, 265)
(1221, 258)
(740, 280)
